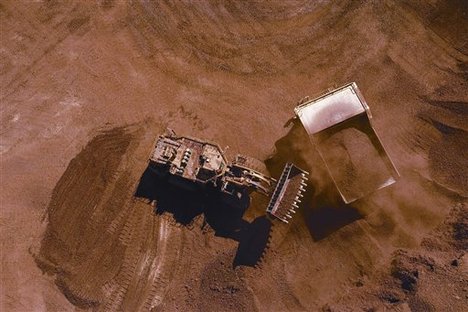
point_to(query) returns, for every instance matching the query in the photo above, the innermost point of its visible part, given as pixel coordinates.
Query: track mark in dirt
(45, 48)
(75, 24)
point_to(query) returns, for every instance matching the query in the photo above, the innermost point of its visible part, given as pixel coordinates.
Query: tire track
(131, 236)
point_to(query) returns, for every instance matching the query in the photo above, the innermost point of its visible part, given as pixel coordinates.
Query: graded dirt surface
(87, 87)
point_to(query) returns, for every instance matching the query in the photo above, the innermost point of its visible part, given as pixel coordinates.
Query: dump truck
(341, 129)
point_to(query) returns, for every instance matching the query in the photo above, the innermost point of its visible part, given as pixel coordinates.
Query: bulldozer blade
(288, 190)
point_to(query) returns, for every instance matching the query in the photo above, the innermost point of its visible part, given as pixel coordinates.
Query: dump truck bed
(339, 124)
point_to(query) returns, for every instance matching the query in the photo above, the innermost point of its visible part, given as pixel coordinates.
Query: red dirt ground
(86, 87)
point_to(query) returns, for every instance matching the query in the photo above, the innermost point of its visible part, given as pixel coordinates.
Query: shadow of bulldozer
(184, 205)
(253, 242)
(323, 210)
(223, 213)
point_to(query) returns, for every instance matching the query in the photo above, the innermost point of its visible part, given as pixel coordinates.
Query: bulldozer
(191, 163)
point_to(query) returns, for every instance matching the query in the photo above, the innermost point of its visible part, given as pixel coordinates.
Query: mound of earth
(86, 87)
